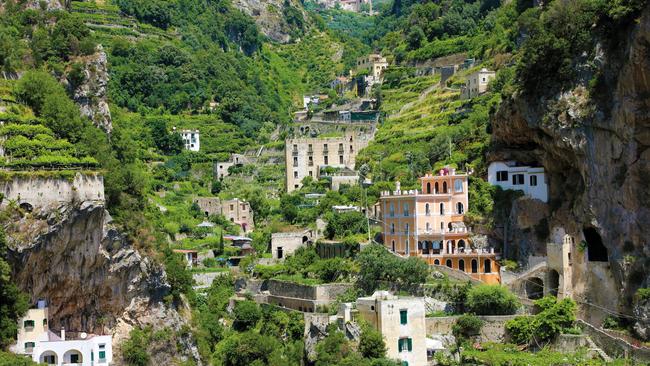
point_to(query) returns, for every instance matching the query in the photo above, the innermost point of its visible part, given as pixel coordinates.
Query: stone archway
(49, 358)
(534, 288)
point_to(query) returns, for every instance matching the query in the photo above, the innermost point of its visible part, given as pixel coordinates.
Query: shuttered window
(403, 316)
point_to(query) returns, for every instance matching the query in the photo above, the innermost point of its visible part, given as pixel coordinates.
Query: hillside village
(401, 204)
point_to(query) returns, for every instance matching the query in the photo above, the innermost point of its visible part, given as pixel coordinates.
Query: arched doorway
(73, 356)
(474, 266)
(436, 262)
(461, 265)
(428, 187)
(534, 288)
(436, 190)
(49, 358)
(444, 187)
(596, 251)
(461, 244)
(448, 263)
(393, 245)
(553, 282)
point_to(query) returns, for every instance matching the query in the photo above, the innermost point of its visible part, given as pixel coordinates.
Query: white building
(511, 175)
(284, 244)
(191, 139)
(477, 83)
(401, 321)
(37, 341)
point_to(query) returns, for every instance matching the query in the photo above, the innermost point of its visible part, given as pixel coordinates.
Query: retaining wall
(493, 329)
(613, 346)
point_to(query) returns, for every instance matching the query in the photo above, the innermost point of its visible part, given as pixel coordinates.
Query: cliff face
(270, 18)
(594, 149)
(93, 279)
(91, 94)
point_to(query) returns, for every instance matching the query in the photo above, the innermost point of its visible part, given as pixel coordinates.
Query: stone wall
(42, 192)
(493, 328)
(325, 292)
(613, 346)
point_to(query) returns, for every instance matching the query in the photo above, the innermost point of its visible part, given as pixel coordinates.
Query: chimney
(62, 333)
(398, 186)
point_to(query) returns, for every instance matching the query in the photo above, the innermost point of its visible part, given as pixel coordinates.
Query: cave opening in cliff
(596, 251)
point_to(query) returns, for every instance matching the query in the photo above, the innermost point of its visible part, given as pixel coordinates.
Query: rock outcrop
(596, 152)
(92, 277)
(270, 17)
(91, 91)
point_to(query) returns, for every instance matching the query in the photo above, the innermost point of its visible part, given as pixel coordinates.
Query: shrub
(643, 294)
(555, 317)
(491, 300)
(520, 329)
(467, 325)
(371, 343)
(134, 350)
(246, 315)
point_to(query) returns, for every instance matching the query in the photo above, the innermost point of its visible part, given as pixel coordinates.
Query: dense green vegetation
(13, 303)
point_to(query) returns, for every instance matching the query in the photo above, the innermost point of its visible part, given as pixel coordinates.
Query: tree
(179, 277)
(246, 349)
(134, 349)
(246, 315)
(467, 325)
(168, 142)
(491, 300)
(371, 343)
(415, 37)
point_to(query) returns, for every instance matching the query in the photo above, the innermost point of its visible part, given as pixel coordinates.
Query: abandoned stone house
(236, 210)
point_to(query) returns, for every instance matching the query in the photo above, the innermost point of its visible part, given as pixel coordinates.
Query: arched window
(406, 228)
(428, 227)
(428, 187)
(450, 227)
(461, 265)
(442, 226)
(460, 208)
(406, 209)
(427, 209)
(436, 190)
(444, 187)
(442, 208)
(436, 262)
(487, 266)
(448, 263)
(461, 244)
(474, 266)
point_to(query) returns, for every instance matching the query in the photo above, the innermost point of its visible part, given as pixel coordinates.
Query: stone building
(429, 223)
(477, 83)
(306, 157)
(191, 140)
(374, 63)
(284, 244)
(401, 322)
(36, 341)
(221, 167)
(515, 176)
(235, 210)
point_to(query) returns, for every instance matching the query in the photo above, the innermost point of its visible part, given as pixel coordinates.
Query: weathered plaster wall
(51, 192)
(493, 328)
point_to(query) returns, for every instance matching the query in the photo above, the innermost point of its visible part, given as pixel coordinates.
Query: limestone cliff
(89, 88)
(594, 148)
(93, 279)
(270, 17)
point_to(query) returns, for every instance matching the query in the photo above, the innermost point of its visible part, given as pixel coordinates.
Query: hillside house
(401, 322)
(284, 244)
(236, 210)
(221, 168)
(307, 157)
(374, 63)
(429, 223)
(512, 175)
(191, 139)
(191, 257)
(477, 83)
(36, 341)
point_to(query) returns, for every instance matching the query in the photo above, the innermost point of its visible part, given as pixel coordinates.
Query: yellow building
(429, 223)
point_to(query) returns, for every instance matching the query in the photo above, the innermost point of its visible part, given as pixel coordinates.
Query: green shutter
(410, 343)
(405, 363)
(403, 317)
(399, 345)
(102, 355)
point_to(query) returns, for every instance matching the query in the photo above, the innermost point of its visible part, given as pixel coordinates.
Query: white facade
(477, 83)
(191, 139)
(509, 175)
(401, 321)
(35, 340)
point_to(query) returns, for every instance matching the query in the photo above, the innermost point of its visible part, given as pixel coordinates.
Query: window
(442, 208)
(427, 210)
(392, 228)
(474, 266)
(406, 209)
(487, 266)
(460, 208)
(295, 174)
(444, 187)
(428, 227)
(461, 265)
(29, 346)
(49, 359)
(533, 180)
(28, 324)
(405, 344)
(45, 323)
(325, 157)
(502, 176)
(74, 358)
(448, 263)
(340, 159)
(436, 262)
(392, 210)
(295, 161)
(406, 228)
(517, 179)
(403, 316)
(311, 174)
(458, 185)
(311, 161)
(428, 187)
